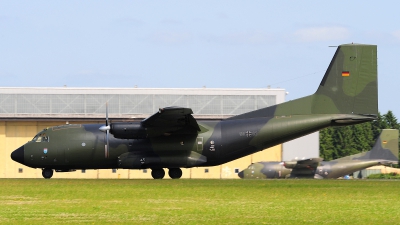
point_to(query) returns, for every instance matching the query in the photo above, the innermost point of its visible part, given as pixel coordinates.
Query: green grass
(56, 201)
(384, 176)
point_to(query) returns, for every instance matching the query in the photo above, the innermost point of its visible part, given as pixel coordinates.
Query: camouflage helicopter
(172, 138)
(384, 152)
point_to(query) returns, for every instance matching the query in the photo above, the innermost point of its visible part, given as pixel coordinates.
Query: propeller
(106, 129)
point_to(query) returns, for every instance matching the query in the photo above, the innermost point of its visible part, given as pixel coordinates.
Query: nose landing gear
(47, 173)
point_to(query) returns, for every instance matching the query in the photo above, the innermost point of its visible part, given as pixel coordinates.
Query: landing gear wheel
(175, 173)
(47, 173)
(158, 173)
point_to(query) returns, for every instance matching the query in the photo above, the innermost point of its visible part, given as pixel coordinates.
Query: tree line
(337, 142)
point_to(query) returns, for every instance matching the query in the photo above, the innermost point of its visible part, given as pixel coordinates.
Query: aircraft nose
(241, 174)
(18, 155)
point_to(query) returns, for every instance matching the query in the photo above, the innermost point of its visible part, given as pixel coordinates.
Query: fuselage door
(199, 144)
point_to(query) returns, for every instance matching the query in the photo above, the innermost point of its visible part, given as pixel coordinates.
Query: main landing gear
(175, 173)
(47, 173)
(159, 173)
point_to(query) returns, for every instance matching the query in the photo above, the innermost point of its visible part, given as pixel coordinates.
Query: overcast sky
(189, 44)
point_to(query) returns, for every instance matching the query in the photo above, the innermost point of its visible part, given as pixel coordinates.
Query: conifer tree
(378, 125)
(343, 141)
(391, 120)
(326, 148)
(363, 137)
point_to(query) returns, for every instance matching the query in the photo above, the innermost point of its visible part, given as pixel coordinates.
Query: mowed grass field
(64, 201)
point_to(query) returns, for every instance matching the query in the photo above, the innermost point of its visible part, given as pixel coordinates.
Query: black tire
(175, 173)
(47, 173)
(158, 173)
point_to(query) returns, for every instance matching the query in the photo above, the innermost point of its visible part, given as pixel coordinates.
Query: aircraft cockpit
(41, 137)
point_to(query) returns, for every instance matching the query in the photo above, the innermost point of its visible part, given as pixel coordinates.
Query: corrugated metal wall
(84, 104)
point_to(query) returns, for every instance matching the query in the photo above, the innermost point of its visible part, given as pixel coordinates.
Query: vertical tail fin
(386, 147)
(350, 86)
(350, 82)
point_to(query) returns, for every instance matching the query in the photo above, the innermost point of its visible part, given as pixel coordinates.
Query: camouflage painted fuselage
(268, 170)
(218, 142)
(172, 138)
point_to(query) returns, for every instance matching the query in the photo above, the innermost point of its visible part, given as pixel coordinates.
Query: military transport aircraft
(384, 152)
(171, 138)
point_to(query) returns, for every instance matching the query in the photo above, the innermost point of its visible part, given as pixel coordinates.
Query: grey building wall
(303, 147)
(132, 102)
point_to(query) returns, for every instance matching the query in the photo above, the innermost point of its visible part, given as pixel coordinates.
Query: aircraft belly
(169, 151)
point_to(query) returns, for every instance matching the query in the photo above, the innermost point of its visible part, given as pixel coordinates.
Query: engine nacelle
(128, 131)
(290, 164)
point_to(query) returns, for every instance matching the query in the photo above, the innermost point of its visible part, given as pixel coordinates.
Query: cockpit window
(42, 137)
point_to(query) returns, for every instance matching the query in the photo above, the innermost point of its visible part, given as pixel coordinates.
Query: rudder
(350, 82)
(386, 147)
(387, 141)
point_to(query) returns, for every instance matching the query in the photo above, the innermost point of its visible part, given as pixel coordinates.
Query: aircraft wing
(311, 163)
(171, 119)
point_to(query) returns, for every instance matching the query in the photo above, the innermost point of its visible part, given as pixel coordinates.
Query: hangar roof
(89, 103)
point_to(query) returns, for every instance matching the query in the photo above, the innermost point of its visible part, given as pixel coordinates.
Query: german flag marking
(345, 74)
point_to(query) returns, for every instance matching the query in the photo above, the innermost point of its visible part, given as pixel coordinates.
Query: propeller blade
(105, 128)
(106, 113)
(107, 144)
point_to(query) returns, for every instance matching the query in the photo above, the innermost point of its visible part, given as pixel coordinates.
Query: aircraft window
(41, 138)
(45, 139)
(35, 138)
